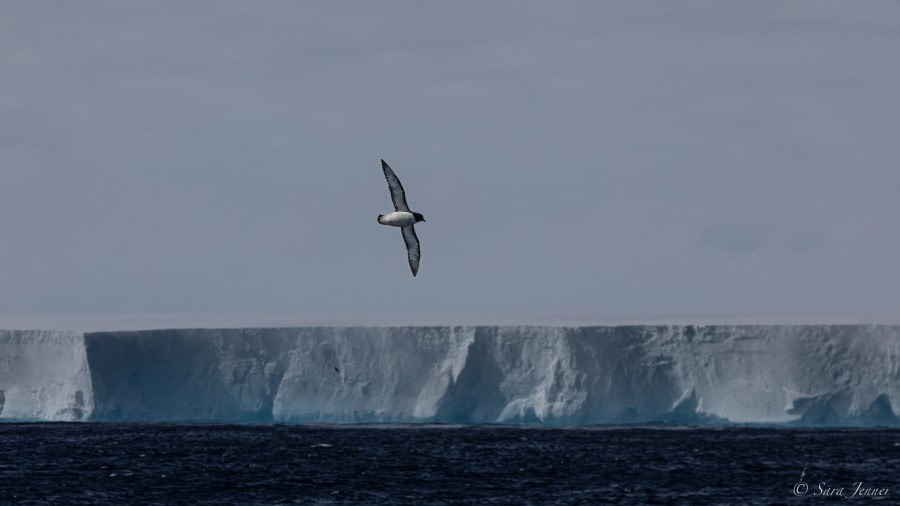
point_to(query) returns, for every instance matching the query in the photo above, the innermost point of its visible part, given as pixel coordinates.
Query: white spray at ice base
(801, 374)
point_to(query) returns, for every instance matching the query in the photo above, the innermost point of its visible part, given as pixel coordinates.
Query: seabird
(402, 217)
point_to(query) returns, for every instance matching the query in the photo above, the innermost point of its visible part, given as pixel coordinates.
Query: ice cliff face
(44, 376)
(807, 375)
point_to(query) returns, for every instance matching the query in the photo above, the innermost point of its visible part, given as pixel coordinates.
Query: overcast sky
(640, 158)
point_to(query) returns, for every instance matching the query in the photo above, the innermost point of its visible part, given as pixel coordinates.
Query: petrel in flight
(402, 217)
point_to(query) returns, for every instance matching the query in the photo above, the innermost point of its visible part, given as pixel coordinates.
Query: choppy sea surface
(92, 463)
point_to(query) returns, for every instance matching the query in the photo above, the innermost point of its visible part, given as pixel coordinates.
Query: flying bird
(402, 217)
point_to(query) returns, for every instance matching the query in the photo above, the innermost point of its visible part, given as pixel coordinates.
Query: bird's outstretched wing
(397, 194)
(412, 247)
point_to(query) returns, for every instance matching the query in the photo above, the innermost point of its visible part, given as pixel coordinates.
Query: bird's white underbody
(397, 219)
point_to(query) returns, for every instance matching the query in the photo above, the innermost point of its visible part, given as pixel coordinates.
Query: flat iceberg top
(101, 323)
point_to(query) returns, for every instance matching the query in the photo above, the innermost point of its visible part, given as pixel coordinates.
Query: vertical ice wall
(808, 374)
(187, 374)
(812, 375)
(316, 374)
(359, 374)
(44, 376)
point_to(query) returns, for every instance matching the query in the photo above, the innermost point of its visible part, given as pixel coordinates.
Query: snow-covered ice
(44, 375)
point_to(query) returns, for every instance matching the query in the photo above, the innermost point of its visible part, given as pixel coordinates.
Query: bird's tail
(380, 216)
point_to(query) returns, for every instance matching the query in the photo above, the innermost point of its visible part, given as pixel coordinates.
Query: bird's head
(418, 217)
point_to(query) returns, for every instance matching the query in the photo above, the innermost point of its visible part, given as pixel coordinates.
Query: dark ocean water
(287, 464)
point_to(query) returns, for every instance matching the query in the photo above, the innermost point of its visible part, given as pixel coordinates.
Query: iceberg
(807, 375)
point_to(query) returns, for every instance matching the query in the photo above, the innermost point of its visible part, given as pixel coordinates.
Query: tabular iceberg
(840, 375)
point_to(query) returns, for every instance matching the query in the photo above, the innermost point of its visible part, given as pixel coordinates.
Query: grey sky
(577, 158)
